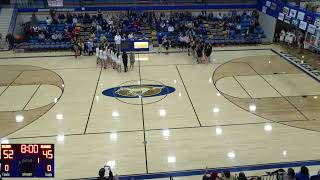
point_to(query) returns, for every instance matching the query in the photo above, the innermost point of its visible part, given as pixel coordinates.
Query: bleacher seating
(210, 29)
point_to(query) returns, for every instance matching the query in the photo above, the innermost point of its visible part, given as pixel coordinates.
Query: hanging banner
(293, 13)
(303, 25)
(317, 21)
(295, 22)
(281, 16)
(301, 15)
(264, 9)
(285, 10)
(311, 29)
(55, 3)
(268, 3)
(287, 19)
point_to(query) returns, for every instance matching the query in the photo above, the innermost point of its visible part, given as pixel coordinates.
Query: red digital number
(31, 149)
(48, 154)
(8, 154)
(24, 148)
(49, 168)
(6, 168)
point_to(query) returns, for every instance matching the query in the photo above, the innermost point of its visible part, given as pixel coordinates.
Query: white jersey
(97, 52)
(105, 55)
(119, 59)
(101, 54)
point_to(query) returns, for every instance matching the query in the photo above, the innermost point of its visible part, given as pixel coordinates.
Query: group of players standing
(108, 56)
(200, 50)
(196, 46)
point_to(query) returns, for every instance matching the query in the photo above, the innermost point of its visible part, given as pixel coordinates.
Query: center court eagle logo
(136, 91)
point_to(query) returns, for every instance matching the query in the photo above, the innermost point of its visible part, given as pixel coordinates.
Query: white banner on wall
(281, 16)
(55, 3)
(300, 16)
(268, 3)
(264, 9)
(286, 10)
(317, 21)
(312, 28)
(293, 13)
(303, 25)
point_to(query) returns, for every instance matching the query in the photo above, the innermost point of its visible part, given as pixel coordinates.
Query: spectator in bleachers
(303, 174)
(213, 175)
(69, 18)
(33, 19)
(316, 177)
(10, 40)
(74, 20)
(102, 173)
(41, 37)
(100, 16)
(219, 16)
(130, 36)
(242, 176)
(117, 40)
(61, 18)
(54, 36)
(170, 28)
(49, 21)
(290, 175)
(226, 175)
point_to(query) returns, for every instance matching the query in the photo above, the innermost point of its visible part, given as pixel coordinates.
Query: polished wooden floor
(246, 107)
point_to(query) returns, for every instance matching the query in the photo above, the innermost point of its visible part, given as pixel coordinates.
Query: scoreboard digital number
(27, 160)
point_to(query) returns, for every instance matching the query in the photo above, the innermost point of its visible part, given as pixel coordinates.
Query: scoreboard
(27, 160)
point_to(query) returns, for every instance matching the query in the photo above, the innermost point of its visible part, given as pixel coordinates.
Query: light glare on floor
(216, 110)
(59, 116)
(115, 114)
(171, 159)
(218, 94)
(218, 130)
(268, 127)
(166, 133)
(111, 163)
(231, 155)
(162, 112)
(179, 94)
(284, 153)
(19, 118)
(114, 136)
(60, 138)
(175, 81)
(55, 100)
(315, 97)
(252, 107)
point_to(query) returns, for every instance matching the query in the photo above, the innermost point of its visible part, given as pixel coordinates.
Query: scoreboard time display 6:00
(27, 160)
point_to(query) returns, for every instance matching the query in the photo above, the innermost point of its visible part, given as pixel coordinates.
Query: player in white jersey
(97, 55)
(104, 59)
